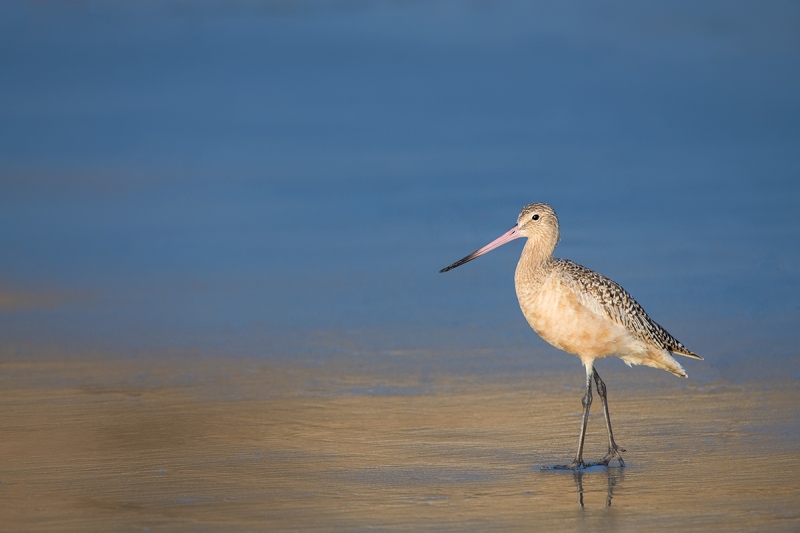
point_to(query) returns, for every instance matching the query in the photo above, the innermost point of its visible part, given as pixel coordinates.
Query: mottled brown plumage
(582, 312)
(619, 306)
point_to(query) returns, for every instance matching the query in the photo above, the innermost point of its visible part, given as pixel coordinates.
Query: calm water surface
(221, 227)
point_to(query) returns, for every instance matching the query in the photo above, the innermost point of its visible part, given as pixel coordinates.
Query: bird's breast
(561, 317)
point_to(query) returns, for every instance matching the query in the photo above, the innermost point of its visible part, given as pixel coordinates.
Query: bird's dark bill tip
(460, 262)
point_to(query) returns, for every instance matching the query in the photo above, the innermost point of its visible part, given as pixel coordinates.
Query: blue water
(286, 178)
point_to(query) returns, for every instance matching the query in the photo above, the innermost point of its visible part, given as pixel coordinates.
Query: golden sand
(186, 444)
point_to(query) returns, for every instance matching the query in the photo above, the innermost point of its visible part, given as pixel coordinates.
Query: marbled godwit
(583, 313)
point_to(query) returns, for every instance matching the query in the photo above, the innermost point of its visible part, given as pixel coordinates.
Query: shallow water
(221, 227)
(216, 444)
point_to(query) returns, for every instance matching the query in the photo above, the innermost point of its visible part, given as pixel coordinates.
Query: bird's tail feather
(686, 353)
(657, 359)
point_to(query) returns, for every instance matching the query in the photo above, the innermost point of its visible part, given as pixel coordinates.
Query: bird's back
(586, 314)
(618, 305)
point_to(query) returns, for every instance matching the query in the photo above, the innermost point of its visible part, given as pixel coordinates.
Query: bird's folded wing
(606, 297)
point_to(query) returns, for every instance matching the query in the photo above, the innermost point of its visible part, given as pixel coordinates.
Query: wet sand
(245, 444)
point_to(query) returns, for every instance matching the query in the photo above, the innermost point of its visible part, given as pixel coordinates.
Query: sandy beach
(203, 444)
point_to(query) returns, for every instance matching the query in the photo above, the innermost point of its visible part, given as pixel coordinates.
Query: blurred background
(285, 178)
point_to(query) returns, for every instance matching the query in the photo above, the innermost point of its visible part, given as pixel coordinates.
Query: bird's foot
(612, 455)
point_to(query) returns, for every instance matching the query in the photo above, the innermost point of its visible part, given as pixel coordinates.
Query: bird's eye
(535, 217)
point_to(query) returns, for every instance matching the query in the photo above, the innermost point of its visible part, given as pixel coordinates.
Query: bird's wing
(606, 297)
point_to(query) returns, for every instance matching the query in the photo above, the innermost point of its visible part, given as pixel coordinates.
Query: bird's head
(538, 222)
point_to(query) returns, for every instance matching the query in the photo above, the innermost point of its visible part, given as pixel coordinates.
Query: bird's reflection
(615, 476)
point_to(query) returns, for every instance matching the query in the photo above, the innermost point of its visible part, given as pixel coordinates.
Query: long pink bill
(508, 236)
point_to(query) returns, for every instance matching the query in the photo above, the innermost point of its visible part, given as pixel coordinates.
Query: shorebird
(583, 313)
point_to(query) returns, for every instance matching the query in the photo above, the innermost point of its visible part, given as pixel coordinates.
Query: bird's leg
(613, 449)
(587, 403)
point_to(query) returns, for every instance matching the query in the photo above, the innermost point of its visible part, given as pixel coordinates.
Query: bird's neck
(534, 261)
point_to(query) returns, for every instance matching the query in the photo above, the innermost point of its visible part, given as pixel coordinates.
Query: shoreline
(238, 444)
